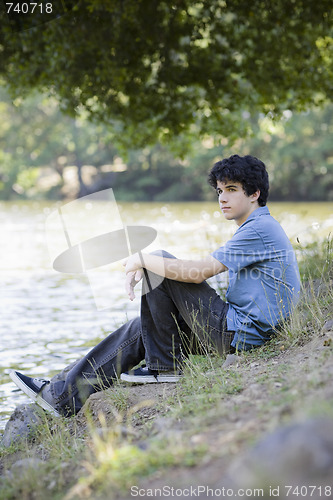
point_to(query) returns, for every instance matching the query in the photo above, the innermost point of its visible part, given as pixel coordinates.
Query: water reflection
(49, 319)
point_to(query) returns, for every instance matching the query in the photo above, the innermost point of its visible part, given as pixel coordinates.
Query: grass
(316, 260)
(103, 461)
(204, 383)
(51, 459)
(118, 398)
(117, 466)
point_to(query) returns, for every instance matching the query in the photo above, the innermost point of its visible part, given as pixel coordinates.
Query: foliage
(204, 384)
(170, 71)
(34, 133)
(297, 150)
(316, 260)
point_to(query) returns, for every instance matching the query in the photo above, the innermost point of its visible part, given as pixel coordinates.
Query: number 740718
(28, 8)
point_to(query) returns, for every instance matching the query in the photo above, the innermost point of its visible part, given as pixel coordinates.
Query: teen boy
(183, 313)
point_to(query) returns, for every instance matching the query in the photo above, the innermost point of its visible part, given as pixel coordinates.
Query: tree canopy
(44, 154)
(161, 69)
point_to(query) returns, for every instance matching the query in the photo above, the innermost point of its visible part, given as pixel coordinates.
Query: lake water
(48, 319)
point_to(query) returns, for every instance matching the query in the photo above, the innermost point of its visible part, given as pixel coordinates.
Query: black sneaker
(33, 388)
(144, 375)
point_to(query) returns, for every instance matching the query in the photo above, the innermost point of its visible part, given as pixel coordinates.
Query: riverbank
(204, 431)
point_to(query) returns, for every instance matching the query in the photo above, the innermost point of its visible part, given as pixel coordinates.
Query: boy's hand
(134, 274)
(132, 263)
(132, 279)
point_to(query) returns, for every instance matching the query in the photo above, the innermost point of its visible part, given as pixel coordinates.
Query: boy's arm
(189, 271)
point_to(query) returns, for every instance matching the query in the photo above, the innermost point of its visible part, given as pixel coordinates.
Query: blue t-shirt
(264, 280)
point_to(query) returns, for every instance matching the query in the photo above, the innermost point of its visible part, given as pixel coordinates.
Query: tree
(298, 152)
(165, 70)
(34, 133)
(302, 157)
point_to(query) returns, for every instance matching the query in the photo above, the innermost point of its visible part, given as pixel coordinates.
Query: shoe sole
(32, 395)
(148, 379)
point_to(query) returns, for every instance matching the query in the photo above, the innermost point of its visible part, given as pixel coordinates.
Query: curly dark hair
(250, 172)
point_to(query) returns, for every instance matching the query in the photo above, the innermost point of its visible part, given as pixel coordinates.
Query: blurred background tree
(148, 94)
(34, 134)
(46, 154)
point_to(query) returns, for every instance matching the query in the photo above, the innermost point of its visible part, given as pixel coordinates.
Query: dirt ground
(293, 386)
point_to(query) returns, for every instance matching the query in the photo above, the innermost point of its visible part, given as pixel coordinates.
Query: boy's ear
(255, 196)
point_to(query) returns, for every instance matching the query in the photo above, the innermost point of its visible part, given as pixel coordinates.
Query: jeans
(176, 319)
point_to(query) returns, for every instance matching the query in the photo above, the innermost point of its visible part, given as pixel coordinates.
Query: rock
(301, 453)
(26, 463)
(231, 359)
(21, 424)
(328, 326)
(19, 467)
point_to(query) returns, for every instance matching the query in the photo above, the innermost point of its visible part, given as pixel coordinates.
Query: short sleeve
(243, 249)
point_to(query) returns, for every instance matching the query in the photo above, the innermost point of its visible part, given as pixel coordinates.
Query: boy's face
(234, 202)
